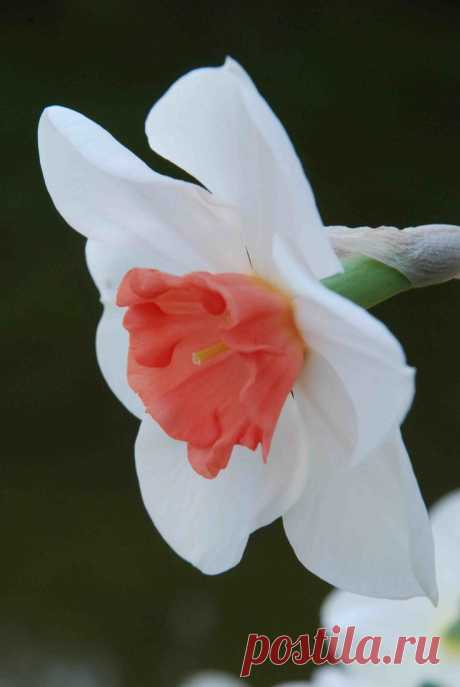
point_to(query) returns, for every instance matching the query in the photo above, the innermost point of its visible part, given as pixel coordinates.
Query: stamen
(199, 357)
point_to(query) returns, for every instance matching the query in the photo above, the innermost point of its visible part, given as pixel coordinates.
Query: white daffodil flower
(324, 677)
(226, 314)
(328, 677)
(412, 618)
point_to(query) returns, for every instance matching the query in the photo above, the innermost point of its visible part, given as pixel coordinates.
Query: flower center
(213, 357)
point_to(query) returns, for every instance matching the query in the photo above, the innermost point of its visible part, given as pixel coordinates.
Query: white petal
(365, 363)
(445, 516)
(364, 529)
(112, 342)
(108, 264)
(106, 193)
(213, 123)
(208, 522)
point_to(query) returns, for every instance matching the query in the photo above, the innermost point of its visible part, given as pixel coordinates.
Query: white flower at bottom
(324, 677)
(212, 679)
(335, 468)
(412, 618)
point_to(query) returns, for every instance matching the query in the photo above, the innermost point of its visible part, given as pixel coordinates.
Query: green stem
(367, 282)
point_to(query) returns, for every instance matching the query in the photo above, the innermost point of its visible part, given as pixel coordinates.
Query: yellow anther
(200, 357)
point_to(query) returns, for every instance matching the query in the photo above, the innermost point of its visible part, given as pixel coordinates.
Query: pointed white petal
(363, 362)
(208, 522)
(112, 342)
(364, 529)
(106, 193)
(213, 123)
(108, 264)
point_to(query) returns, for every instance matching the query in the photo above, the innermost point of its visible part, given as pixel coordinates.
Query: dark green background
(370, 93)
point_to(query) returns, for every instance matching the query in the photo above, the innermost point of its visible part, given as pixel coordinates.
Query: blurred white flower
(412, 618)
(324, 677)
(338, 471)
(211, 678)
(27, 662)
(328, 677)
(68, 674)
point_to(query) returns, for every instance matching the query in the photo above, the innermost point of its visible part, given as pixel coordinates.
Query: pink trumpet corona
(212, 356)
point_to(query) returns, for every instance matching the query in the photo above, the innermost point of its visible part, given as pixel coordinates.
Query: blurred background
(370, 94)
